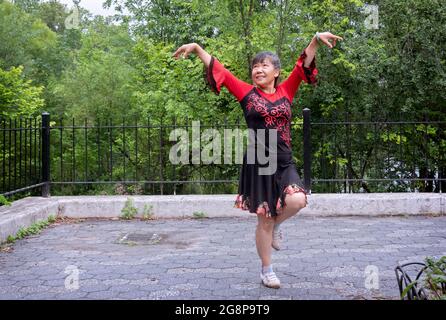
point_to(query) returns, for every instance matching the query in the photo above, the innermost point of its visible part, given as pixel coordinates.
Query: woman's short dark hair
(274, 58)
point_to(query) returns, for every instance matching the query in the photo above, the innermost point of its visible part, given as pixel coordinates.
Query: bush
(147, 212)
(129, 211)
(199, 215)
(4, 201)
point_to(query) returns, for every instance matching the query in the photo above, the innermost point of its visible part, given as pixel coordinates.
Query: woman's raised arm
(324, 38)
(216, 75)
(186, 49)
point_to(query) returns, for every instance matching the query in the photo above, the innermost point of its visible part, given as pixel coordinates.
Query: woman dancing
(266, 103)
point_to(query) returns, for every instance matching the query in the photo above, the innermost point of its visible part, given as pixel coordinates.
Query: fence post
(46, 154)
(307, 149)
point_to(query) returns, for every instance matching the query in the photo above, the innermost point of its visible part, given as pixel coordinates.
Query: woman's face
(264, 73)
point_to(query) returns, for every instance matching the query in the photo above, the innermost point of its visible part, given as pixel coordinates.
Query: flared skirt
(265, 194)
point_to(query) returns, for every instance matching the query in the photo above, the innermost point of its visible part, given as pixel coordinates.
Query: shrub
(199, 215)
(147, 212)
(129, 211)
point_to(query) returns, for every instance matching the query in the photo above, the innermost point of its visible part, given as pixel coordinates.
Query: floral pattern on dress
(276, 115)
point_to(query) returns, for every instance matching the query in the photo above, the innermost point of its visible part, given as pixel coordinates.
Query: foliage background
(120, 70)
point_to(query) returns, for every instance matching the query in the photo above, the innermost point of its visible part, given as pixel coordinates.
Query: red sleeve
(299, 73)
(217, 75)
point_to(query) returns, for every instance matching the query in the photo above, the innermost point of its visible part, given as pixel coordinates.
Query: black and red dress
(265, 194)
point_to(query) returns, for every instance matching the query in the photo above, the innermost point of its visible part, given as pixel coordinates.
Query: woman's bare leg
(264, 236)
(293, 204)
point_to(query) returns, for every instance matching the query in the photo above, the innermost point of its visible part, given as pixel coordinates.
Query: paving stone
(72, 295)
(41, 296)
(93, 288)
(101, 295)
(6, 283)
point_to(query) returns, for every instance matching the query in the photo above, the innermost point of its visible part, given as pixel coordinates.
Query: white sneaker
(277, 238)
(270, 280)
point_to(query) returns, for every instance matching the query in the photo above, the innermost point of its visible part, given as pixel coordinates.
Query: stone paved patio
(323, 258)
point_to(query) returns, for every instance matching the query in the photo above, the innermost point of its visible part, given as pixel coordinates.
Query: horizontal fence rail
(132, 156)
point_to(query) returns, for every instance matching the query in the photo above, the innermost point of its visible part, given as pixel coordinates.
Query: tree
(18, 97)
(99, 82)
(54, 14)
(26, 41)
(154, 19)
(29, 6)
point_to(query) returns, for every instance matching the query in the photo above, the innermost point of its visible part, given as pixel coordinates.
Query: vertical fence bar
(20, 152)
(189, 167)
(349, 157)
(388, 155)
(440, 163)
(426, 151)
(36, 157)
(238, 130)
(200, 172)
(307, 149)
(15, 154)
(136, 149)
(161, 158)
(400, 160)
(375, 156)
(224, 150)
(61, 148)
(86, 152)
(4, 157)
(34, 148)
(73, 164)
(39, 154)
(30, 150)
(323, 162)
(149, 146)
(98, 141)
(414, 163)
(10, 152)
(335, 152)
(110, 129)
(25, 147)
(173, 165)
(213, 154)
(46, 154)
(123, 142)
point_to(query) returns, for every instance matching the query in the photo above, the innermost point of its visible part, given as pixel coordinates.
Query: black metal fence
(20, 155)
(371, 156)
(102, 157)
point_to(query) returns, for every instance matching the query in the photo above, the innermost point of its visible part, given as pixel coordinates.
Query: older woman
(266, 104)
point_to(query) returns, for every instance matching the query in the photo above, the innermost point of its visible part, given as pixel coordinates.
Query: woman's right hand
(185, 50)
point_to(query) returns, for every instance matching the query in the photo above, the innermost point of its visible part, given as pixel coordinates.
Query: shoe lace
(271, 277)
(277, 235)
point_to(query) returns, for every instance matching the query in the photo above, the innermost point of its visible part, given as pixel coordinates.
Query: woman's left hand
(327, 37)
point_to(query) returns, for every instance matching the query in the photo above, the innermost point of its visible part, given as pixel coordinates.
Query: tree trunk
(246, 26)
